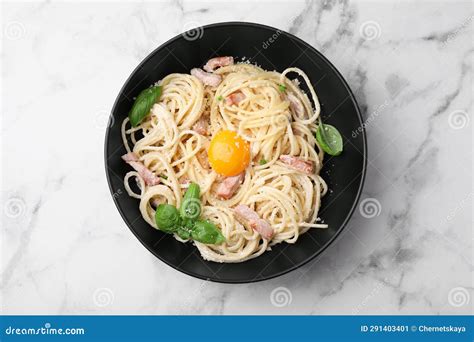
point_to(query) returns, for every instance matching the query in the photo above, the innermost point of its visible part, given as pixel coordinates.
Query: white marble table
(64, 247)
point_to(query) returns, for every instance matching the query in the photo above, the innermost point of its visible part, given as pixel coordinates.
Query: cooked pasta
(280, 186)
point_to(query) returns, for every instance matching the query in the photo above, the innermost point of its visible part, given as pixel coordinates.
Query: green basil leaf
(190, 208)
(143, 103)
(184, 232)
(167, 218)
(194, 191)
(329, 139)
(207, 232)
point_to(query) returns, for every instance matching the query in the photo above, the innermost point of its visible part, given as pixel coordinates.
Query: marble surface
(408, 247)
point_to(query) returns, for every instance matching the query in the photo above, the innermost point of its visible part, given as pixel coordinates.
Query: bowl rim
(337, 234)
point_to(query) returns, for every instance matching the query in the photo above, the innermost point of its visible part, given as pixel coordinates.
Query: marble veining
(408, 247)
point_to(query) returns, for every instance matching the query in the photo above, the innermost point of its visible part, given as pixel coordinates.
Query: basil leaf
(207, 232)
(143, 103)
(329, 139)
(190, 209)
(184, 232)
(167, 218)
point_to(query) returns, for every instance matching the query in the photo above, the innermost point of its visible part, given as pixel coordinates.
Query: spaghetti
(267, 110)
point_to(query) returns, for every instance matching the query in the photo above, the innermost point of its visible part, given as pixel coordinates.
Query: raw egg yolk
(228, 153)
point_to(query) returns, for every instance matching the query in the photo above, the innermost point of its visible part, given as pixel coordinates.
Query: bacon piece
(201, 126)
(297, 163)
(130, 156)
(250, 218)
(203, 159)
(295, 104)
(206, 77)
(235, 98)
(229, 185)
(148, 176)
(217, 62)
(185, 181)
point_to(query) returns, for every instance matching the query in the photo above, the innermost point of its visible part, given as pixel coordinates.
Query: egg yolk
(228, 153)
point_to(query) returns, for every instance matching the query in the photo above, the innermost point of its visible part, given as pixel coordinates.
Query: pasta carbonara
(245, 136)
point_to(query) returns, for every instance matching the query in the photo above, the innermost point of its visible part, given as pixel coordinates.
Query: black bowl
(272, 49)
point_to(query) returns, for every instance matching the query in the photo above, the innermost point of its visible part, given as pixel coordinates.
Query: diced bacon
(201, 126)
(207, 78)
(295, 104)
(130, 156)
(250, 218)
(235, 98)
(185, 181)
(229, 185)
(148, 176)
(203, 159)
(297, 163)
(217, 62)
